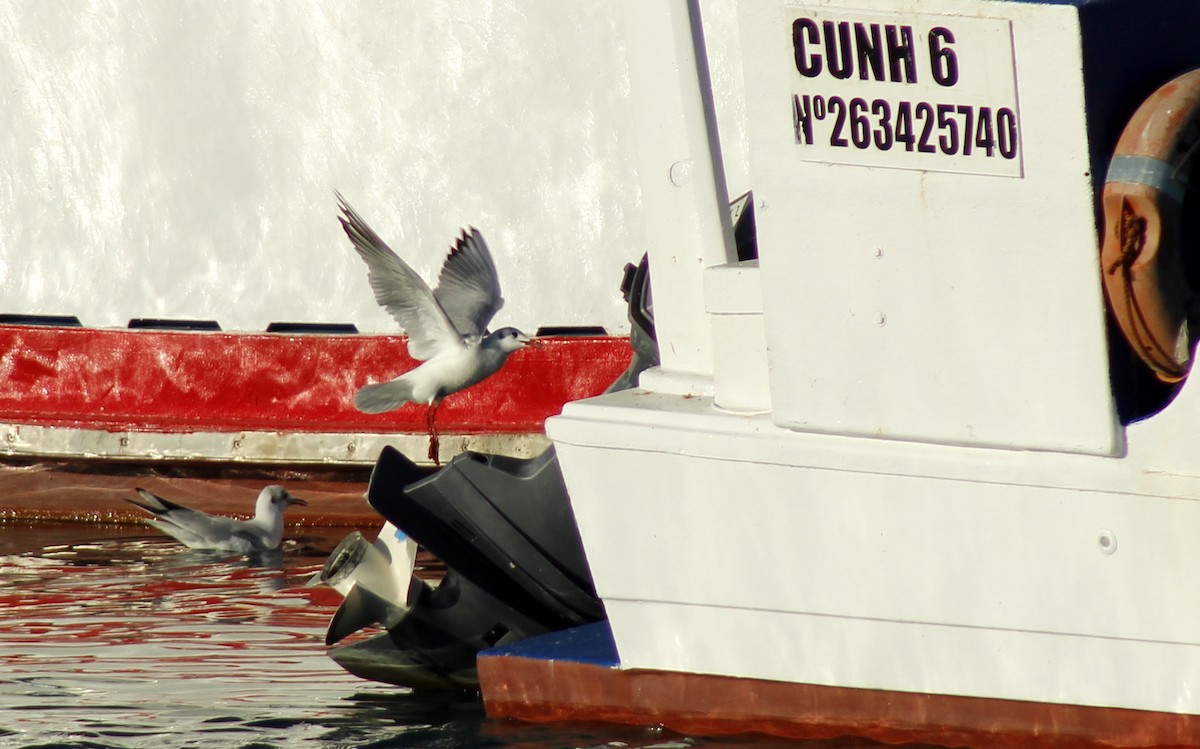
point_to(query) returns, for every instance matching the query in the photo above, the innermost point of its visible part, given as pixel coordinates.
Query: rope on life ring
(1142, 254)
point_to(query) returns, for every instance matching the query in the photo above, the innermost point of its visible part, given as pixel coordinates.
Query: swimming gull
(446, 327)
(199, 530)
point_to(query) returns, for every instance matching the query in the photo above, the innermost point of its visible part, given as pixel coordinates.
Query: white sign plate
(905, 91)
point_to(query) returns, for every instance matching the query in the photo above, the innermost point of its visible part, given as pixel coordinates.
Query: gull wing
(399, 290)
(468, 286)
(196, 529)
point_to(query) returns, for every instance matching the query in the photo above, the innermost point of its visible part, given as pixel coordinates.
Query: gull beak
(534, 342)
(296, 501)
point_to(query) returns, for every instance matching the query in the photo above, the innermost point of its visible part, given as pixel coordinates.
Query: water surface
(117, 638)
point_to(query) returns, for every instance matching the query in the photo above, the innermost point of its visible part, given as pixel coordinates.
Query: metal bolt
(880, 319)
(1107, 542)
(681, 172)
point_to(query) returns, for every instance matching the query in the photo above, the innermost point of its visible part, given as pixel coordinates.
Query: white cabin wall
(179, 159)
(955, 300)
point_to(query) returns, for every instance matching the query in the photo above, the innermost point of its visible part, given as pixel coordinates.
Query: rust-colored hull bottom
(542, 690)
(94, 491)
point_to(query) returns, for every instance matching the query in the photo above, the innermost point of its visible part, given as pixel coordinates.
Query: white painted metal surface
(885, 564)
(733, 300)
(931, 296)
(682, 180)
(179, 159)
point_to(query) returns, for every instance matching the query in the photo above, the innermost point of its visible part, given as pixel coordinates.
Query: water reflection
(119, 640)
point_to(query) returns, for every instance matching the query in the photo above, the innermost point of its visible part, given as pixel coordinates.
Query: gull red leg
(430, 415)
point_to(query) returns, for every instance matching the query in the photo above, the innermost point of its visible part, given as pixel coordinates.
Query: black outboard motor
(516, 568)
(504, 523)
(435, 644)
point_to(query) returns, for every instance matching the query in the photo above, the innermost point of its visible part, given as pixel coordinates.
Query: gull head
(275, 499)
(509, 340)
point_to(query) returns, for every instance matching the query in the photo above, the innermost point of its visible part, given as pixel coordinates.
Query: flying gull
(446, 327)
(199, 530)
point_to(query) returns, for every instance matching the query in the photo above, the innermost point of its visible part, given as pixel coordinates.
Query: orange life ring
(1142, 255)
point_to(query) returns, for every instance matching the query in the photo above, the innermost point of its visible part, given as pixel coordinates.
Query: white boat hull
(816, 559)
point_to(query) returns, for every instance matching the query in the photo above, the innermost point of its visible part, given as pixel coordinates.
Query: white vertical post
(684, 197)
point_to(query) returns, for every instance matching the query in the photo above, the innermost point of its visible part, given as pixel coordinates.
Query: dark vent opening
(63, 321)
(153, 323)
(571, 330)
(326, 328)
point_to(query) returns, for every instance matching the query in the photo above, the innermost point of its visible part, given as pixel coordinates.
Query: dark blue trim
(590, 643)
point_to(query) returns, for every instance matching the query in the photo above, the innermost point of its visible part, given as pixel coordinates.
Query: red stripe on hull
(121, 380)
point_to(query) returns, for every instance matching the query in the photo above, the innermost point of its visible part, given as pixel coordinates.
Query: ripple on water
(129, 642)
(110, 640)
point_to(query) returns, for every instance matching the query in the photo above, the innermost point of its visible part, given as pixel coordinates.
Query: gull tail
(154, 504)
(384, 396)
(159, 508)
